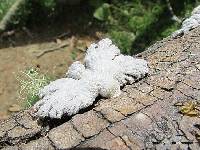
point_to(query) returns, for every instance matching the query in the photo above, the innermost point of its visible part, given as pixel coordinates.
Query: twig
(174, 17)
(52, 49)
(61, 35)
(81, 49)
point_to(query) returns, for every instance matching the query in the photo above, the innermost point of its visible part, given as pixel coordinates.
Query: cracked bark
(180, 62)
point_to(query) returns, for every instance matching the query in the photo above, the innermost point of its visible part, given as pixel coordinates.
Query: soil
(19, 51)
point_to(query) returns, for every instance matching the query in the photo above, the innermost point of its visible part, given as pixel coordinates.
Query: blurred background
(40, 38)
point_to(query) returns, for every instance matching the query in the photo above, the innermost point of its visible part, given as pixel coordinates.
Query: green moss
(73, 55)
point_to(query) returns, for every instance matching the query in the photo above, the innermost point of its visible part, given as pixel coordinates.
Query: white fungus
(103, 72)
(190, 23)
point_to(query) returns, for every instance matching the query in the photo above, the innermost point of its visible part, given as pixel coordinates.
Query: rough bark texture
(143, 117)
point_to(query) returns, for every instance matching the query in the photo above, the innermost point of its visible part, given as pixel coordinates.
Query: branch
(174, 17)
(10, 13)
(52, 49)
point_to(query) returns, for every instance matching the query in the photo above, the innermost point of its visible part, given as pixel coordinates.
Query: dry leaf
(193, 113)
(189, 108)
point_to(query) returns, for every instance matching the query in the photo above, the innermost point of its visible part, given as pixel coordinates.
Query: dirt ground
(20, 51)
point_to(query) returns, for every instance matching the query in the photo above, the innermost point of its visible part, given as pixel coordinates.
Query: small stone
(65, 136)
(14, 108)
(89, 123)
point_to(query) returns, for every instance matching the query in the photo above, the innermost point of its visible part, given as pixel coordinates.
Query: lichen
(103, 72)
(190, 23)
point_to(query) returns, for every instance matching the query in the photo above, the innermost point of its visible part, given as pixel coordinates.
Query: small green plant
(135, 24)
(73, 55)
(127, 20)
(31, 81)
(123, 40)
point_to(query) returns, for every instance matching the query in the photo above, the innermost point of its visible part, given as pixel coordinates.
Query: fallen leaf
(189, 108)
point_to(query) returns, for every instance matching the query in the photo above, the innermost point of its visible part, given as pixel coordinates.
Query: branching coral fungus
(103, 72)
